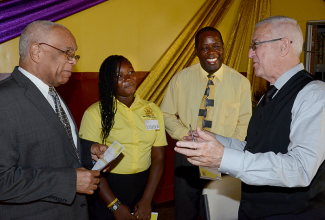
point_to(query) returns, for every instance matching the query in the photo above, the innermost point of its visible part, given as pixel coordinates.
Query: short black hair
(206, 29)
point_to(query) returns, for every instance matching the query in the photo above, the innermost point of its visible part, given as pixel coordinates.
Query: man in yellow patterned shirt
(231, 111)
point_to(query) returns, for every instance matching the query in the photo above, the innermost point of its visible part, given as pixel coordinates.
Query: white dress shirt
(44, 89)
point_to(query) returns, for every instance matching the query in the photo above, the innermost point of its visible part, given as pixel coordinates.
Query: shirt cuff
(223, 140)
(232, 161)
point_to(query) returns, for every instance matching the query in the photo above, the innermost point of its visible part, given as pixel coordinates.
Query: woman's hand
(143, 210)
(123, 213)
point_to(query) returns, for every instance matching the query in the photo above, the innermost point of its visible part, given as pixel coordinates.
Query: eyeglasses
(70, 56)
(254, 44)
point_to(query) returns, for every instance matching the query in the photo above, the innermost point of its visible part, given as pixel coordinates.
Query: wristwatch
(115, 206)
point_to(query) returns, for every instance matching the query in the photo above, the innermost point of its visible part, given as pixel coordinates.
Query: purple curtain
(15, 15)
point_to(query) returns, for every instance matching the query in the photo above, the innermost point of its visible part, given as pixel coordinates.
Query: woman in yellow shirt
(138, 125)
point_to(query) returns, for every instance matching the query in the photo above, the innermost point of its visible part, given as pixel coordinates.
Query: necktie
(206, 107)
(269, 94)
(62, 116)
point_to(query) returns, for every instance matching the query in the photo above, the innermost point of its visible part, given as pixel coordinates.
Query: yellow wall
(301, 10)
(141, 30)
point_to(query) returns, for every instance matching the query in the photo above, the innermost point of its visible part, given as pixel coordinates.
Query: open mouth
(212, 61)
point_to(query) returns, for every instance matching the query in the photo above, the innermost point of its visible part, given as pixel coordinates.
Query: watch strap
(115, 206)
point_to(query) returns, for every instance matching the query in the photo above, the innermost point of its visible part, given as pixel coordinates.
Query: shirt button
(260, 115)
(83, 205)
(255, 132)
(249, 149)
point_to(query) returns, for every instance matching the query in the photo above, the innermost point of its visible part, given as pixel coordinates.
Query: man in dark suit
(282, 163)
(41, 173)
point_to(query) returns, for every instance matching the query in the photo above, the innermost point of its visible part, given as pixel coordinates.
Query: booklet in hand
(209, 173)
(110, 154)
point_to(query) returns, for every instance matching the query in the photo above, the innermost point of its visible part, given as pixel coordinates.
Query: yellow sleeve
(245, 111)
(161, 133)
(175, 128)
(90, 127)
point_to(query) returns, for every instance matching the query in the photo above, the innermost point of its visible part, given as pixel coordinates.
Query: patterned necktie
(62, 116)
(206, 107)
(269, 94)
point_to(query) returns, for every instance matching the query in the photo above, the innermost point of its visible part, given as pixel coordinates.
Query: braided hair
(108, 86)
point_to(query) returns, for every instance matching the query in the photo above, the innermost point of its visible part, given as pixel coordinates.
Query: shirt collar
(137, 101)
(38, 83)
(218, 75)
(283, 79)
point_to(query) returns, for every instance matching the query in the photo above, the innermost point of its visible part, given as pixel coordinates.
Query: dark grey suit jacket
(38, 161)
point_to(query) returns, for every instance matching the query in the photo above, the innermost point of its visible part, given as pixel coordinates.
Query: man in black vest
(281, 164)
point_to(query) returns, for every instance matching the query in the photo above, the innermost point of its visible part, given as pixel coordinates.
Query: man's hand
(87, 180)
(208, 151)
(97, 151)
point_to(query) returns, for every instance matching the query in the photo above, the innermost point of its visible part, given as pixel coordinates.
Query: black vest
(269, 130)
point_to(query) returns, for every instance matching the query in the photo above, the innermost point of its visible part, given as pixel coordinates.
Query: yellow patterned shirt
(131, 131)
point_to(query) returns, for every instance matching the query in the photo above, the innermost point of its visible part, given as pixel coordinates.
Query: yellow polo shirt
(232, 102)
(130, 131)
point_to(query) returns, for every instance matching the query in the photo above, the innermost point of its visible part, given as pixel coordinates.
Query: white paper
(110, 154)
(209, 173)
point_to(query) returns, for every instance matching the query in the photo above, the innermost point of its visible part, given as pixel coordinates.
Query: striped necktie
(206, 107)
(62, 116)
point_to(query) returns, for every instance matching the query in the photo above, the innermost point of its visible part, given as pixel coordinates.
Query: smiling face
(127, 81)
(55, 68)
(210, 51)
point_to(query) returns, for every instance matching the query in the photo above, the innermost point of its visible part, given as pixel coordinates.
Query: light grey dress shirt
(306, 150)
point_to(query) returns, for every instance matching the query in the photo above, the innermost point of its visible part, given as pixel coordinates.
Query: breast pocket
(229, 113)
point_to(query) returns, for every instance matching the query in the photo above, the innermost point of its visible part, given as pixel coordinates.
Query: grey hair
(283, 26)
(34, 33)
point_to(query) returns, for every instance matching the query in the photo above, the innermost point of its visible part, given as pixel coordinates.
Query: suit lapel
(40, 102)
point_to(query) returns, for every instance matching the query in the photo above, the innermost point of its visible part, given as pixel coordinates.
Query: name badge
(152, 124)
